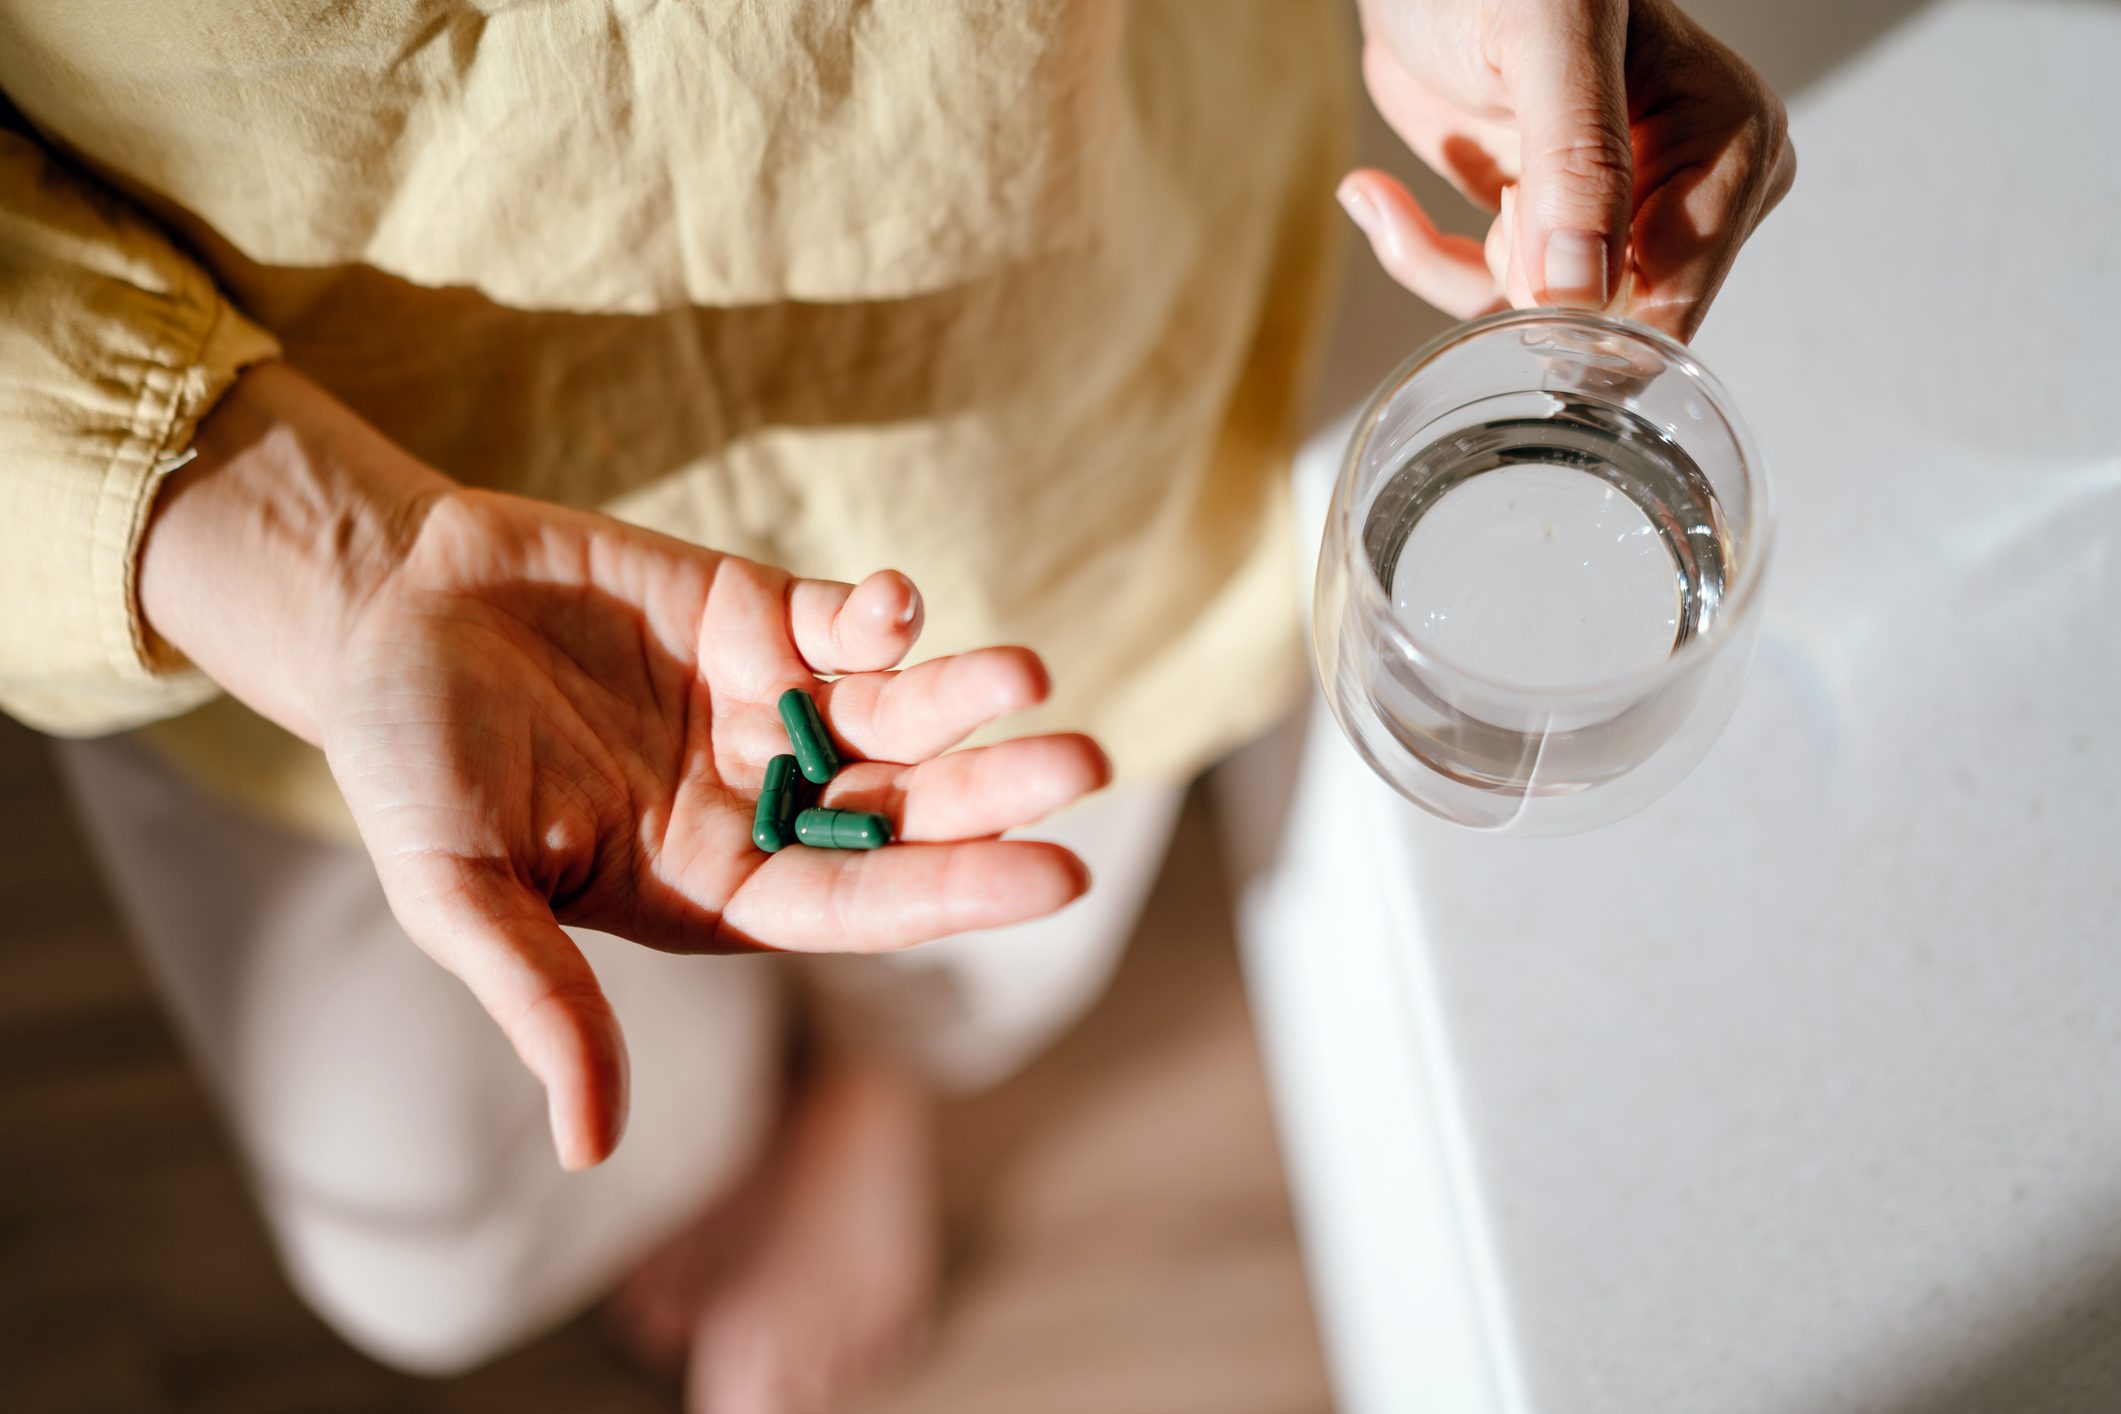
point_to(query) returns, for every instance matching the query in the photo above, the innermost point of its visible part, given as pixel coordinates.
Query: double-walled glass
(1530, 750)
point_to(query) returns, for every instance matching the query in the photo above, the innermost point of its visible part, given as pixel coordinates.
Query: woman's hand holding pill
(1624, 154)
(544, 716)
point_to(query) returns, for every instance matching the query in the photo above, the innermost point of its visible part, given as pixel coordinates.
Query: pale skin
(541, 716)
(1623, 154)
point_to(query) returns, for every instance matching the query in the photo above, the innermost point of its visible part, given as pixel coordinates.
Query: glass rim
(1760, 501)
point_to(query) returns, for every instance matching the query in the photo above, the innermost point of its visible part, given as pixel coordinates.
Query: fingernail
(912, 610)
(1364, 212)
(1575, 270)
(1361, 210)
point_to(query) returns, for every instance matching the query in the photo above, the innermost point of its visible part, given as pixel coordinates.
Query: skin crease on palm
(1621, 124)
(542, 716)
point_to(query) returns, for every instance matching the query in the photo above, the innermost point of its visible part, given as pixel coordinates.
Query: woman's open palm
(546, 716)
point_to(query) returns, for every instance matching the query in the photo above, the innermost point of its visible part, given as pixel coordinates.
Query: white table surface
(1800, 1092)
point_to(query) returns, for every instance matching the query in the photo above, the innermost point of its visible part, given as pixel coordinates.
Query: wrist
(263, 550)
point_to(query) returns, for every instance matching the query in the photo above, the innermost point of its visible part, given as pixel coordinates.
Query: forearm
(263, 549)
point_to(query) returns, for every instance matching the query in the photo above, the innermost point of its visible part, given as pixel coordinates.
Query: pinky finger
(1450, 272)
(860, 628)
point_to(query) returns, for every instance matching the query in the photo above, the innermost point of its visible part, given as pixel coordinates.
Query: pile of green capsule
(781, 818)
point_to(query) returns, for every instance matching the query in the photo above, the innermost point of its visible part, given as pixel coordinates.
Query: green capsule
(773, 818)
(842, 829)
(807, 734)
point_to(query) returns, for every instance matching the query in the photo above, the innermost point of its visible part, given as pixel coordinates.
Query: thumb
(1567, 79)
(499, 938)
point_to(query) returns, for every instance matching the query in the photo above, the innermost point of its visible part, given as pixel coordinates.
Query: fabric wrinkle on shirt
(1021, 304)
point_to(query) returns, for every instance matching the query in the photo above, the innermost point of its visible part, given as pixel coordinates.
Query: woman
(406, 407)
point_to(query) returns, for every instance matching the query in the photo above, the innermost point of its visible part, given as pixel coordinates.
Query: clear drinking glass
(1539, 587)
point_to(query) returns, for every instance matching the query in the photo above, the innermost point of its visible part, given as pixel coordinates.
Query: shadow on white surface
(1790, 1096)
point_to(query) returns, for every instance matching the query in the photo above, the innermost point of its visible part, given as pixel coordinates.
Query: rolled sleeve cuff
(108, 359)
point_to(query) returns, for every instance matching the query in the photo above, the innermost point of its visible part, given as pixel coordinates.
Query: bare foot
(817, 1278)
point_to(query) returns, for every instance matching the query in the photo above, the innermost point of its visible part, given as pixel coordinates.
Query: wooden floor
(1120, 1241)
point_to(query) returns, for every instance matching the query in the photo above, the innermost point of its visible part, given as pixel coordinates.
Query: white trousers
(399, 1151)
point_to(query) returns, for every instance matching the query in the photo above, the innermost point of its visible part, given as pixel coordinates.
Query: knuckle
(1772, 128)
(567, 1001)
(1767, 157)
(1590, 158)
(1785, 177)
(1596, 160)
(1596, 149)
